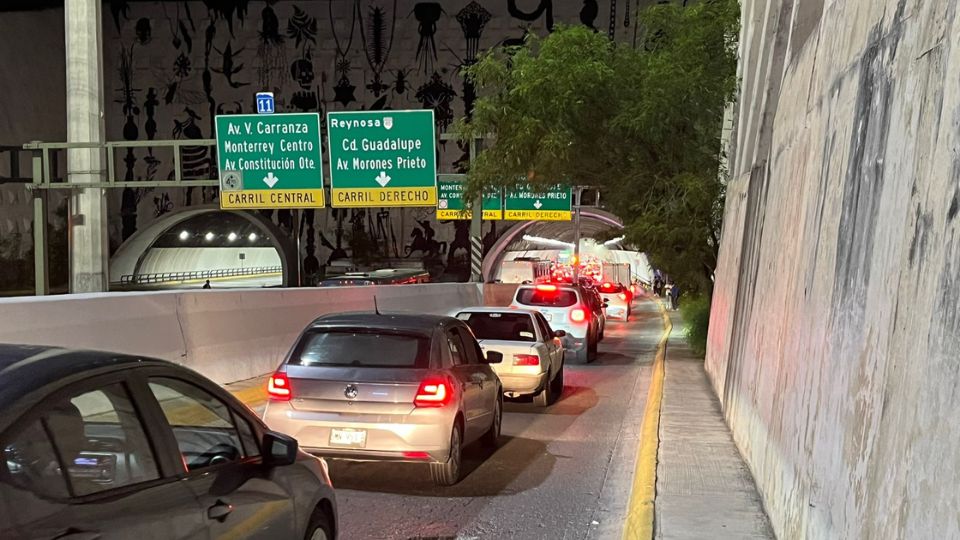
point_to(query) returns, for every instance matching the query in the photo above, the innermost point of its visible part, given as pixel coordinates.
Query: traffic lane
(546, 478)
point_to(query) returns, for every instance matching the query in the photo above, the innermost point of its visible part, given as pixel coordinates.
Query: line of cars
(101, 445)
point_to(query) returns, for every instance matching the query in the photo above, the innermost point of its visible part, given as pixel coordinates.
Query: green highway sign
(553, 204)
(382, 158)
(450, 201)
(270, 161)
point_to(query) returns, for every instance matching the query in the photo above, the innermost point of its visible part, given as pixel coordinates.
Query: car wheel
(492, 436)
(545, 397)
(320, 526)
(447, 473)
(557, 384)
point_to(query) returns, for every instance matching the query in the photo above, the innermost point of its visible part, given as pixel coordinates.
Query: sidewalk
(704, 489)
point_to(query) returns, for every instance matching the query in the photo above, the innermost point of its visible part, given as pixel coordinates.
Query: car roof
(496, 309)
(24, 368)
(403, 322)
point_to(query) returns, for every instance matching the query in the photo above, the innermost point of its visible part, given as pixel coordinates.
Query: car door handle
(219, 511)
(77, 534)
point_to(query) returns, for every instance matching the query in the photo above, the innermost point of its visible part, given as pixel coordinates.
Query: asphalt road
(562, 472)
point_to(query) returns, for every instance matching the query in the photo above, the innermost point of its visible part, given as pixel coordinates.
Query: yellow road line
(640, 513)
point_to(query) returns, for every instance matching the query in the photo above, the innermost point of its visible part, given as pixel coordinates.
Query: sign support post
(576, 236)
(476, 229)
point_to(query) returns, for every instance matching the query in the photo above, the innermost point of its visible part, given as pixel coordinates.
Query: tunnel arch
(129, 256)
(494, 257)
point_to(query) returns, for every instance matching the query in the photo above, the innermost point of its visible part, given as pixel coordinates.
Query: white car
(616, 298)
(567, 308)
(532, 352)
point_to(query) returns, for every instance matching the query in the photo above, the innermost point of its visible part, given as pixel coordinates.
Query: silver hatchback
(409, 388)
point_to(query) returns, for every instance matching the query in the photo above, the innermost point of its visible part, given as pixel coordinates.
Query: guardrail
(169, 277)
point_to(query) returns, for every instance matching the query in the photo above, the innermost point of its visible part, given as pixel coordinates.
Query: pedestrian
(207, 284)
(675, 296)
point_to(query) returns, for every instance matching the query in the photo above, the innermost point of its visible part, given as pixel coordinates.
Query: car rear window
(500, 326)
(546, 298)
(361, 349)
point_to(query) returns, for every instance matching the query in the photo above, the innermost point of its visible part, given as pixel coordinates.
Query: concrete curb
(640, 515)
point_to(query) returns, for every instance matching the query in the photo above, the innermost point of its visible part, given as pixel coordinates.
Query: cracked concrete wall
(835, 332)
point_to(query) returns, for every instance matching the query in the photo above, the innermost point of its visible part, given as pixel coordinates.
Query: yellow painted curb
(252, 396)
(640, 513)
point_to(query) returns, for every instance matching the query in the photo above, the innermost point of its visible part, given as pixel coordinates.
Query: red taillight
(278, 387)
(526, 360)
(433, 393)
(547, 288)
(416, 455)
(622, 296)
(578, 315)
(607, 285)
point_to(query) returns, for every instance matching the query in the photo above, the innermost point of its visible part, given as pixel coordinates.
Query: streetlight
(184, 235)
(252, 237)
(232, 236)
(208, 237)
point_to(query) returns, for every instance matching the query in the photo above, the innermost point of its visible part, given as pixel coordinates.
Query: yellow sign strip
(640, 513)
(271, 198)
(541, 215)
(367, 197)
(490, 215)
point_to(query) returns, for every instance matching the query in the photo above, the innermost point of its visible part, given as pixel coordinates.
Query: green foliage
(695, 311)
(642, 124)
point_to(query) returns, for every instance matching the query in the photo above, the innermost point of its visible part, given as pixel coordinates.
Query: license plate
(355, 438)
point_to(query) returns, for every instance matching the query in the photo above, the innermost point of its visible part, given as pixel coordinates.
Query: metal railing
(170, 277)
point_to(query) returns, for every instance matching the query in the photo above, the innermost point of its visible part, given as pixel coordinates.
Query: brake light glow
(433, 393)
(278, 387)
(416, 455)
(578, 315)
(623, 296)
(547, 288)
(526, 360)
(607, 285)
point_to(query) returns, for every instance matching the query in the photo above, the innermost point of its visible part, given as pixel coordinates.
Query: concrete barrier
(499, 294)
(226, 335)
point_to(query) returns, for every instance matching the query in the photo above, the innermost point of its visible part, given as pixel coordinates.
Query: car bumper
(617, 312)
(412, 439)
(516, 385)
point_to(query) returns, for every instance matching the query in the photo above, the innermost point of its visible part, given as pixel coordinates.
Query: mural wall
(171, 67)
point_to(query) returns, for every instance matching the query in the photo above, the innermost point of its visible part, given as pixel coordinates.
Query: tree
(641, 124)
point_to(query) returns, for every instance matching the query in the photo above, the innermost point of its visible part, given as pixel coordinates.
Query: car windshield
(546, 297)
(360, 348)
(500, 326)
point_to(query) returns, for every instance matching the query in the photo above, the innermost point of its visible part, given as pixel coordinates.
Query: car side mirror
(559, 334)
(278, 449)
(493, 357)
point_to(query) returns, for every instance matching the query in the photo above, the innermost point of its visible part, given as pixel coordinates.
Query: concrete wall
(835, 332)
(159, 260)
(226, 335)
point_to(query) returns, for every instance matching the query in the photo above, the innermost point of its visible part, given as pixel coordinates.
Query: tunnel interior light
(232, 236)
(547, 241)
(208, 237)
(184, 235)
(252, 237)
(614, 241)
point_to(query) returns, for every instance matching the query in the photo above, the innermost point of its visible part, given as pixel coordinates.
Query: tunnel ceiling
(562, 231)
(214, 229)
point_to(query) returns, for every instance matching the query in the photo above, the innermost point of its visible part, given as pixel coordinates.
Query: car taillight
(578, 315)
(623, 296)
(526, 360)
(278, 387)
(433, 393)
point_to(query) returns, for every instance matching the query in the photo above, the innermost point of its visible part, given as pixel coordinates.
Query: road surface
(563, 472)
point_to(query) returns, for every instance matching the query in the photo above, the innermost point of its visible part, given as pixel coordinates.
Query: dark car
(378, 387)
(102, 445)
